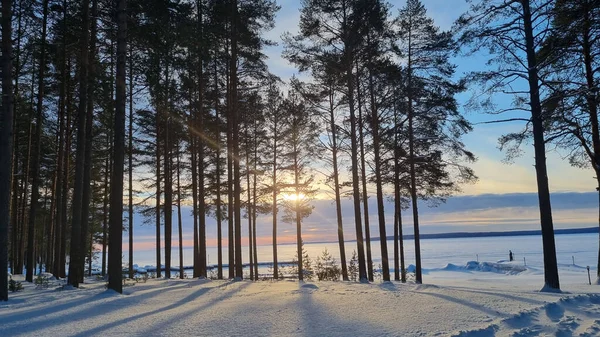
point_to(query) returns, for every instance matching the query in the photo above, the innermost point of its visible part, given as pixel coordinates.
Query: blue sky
(495, 176)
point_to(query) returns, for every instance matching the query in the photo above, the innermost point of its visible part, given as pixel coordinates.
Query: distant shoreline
(459, 235)
(586, 230)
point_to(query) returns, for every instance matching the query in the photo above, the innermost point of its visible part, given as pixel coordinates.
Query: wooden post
(589, 277)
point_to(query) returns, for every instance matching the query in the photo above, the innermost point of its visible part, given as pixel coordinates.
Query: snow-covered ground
(468, 299)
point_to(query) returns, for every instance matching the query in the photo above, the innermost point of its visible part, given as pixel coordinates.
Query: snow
(469, 299)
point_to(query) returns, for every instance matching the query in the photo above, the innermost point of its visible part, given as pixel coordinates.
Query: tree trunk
(130, 165)
(194, 169)
(158, 192)
(275, 193)
(6, 137)
(365, 195)
(35, 167)
(413, 179)
(67, 166)
(116, 182)
(179, 225)
(76, 254)
(14, 216)
(297, 201)
(254, 201)
(87, 166)
(236, 143)
(336, 183)
(378, 181)
(201, 129)
(218, 182)
(62, 152)
(168, 177)
(398, 235)
(248, 204)
(550, 264)
(588, 59)
(230, 214)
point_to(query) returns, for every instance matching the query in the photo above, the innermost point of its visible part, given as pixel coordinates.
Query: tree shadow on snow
(318, 320)
(175, 321)
(472, 305)
(159, 311)
(51, 315)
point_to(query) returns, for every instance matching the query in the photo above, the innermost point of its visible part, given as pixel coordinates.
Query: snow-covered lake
(436, 253)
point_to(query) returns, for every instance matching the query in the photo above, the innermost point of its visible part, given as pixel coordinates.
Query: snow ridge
(569, 316)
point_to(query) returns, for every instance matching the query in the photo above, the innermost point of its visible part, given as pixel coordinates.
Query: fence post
(589, 277)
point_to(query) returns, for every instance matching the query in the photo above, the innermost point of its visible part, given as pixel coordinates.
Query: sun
(292, 196)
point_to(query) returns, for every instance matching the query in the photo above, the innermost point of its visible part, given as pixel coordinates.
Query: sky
(502, 199)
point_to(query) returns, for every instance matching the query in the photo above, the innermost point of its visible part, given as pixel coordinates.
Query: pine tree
(6, 139)
(507, 31)
(116, 187)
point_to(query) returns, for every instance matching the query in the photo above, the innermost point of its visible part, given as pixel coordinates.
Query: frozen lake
(435, 253)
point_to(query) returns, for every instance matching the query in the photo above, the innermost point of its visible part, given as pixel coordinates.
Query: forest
(119, 108)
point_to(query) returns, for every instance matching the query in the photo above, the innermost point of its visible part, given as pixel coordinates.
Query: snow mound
(500, 268)
(309, 286)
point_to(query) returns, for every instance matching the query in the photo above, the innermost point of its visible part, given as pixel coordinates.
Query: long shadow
(22, 320)
(189, 298)
(471, 305)
(177, 319)
(503, 295)
(318, 321)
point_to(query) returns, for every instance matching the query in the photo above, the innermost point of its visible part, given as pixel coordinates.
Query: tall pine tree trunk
(550, 264)
(158, 193)
(60, 216)
(67, 168)
(130, 166)
(218, 182)
(592, 104)
(6, 138)
(365, 195)
(378, 181)
(398, 235)
(249, 203)
(236, 142)
(201, 129)
(76, 255)
(87, 166)
(413, 179)
(35, 167)
(275, 194)
(116, 181)
(336, 187)
(179, 224)
(168, 175)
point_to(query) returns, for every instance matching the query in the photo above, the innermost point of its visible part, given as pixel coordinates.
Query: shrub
(353, 267)
(327, 268)
(14, 286)
(41, 281)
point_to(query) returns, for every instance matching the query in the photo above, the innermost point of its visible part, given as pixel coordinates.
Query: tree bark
(336, 183)
(236, 143)
(378, 182)
(179, 222)
(365, 195)
(550, 264)
(87, 166)
(116, 182)
(6, 138)
(35, 169)
(76, 254)
(130, 165)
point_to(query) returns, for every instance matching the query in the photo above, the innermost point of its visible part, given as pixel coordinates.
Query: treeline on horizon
(111, 105)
